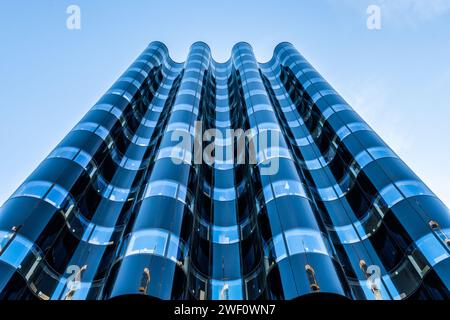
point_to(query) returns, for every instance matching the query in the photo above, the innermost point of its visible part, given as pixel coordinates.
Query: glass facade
(121, 208)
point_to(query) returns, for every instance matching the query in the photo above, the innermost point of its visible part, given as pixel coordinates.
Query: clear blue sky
(397, 78)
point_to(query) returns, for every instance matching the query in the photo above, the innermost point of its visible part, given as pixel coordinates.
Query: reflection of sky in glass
(396, 78)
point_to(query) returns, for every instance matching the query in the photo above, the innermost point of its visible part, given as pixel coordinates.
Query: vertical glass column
(299, 260)
(389, 215)
(55, 223)
(153, 259)
(340, 221)
(226, 254)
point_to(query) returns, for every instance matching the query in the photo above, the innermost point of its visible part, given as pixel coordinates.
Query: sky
(397, 78)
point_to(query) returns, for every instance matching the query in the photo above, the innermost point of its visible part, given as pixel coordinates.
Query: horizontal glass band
(168, 188)
(283, 188)
(292, 242)
(158, 242)
(62, 200)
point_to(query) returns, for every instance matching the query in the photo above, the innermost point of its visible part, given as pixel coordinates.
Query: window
(162, 188)
(64, 152)
(16, 251)
(98, 235)
(321, 94)
(226, 290)
(272, 153)
(313, 164)
(83, 158)
(342, 133)
(432, 249)
(151, 241)
(224, 194)
(36, 189)
(130, 164)
(277, 248)
(381, 152)
(391, 195)
(5, 238)
(363, 159)
(411, 188)
(176, 250)
(56, 196)
(327, 194)
(358, 126)
(225, 235)
(304, 240)
(347, 233)
(288, 187)
(92, 127)
(341, 107)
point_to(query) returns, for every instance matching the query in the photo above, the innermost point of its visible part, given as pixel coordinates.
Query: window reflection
(226, 290)
(225, 235)
(432, 249)
(17, 248)
(156, 242)
(49, 192)
(295, 241)
(177, 153)
(168, 188)
(283, 188)
(112, 192)
(102, 132)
